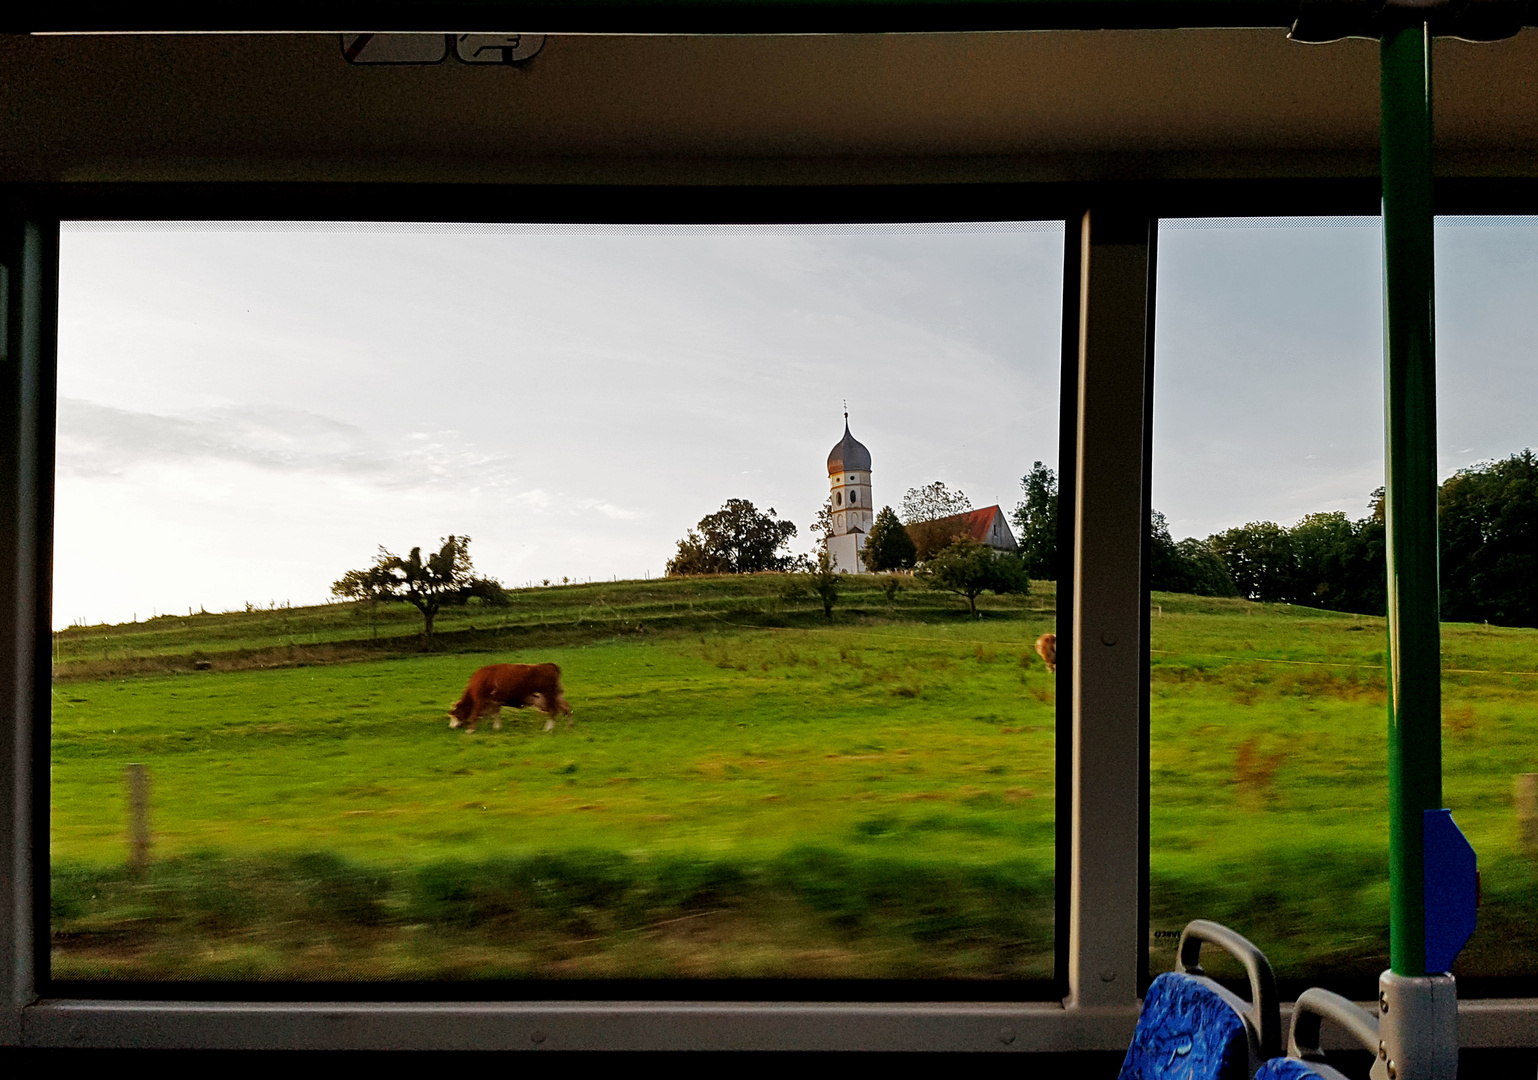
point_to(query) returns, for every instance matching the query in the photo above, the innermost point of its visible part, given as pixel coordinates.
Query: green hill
(749, 790)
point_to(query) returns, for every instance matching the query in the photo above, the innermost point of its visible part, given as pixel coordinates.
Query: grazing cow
(536, 686)
(1046, 645)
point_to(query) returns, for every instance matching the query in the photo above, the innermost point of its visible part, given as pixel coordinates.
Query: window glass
(1267, 758)
(1487, 398)
(768, 769)
(1268, 707)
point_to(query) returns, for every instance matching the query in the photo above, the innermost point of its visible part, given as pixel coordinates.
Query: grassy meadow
(748, 791)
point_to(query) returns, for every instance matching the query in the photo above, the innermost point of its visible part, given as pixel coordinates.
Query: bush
(968, 568)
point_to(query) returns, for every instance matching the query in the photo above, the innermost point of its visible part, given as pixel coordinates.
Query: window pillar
(1107, 946)
(28, 280)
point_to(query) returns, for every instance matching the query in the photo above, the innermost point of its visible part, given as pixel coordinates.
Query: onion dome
(849, 455)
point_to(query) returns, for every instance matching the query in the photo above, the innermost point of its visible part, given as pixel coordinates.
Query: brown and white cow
(1046, 645)
(536, 686)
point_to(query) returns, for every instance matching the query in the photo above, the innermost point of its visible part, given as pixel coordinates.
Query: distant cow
(1046, 645)
(536, 686)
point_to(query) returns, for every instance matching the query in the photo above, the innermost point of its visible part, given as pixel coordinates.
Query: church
(853, 511)
(850, 503)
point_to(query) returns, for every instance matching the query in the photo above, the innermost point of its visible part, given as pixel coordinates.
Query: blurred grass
(1269, 792)
(808, 911)
(748, 792)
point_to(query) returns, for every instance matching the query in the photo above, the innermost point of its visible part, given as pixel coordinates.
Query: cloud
(609, 510)
(97, 441)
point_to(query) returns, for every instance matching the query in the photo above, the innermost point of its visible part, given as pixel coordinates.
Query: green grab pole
(1409, 346)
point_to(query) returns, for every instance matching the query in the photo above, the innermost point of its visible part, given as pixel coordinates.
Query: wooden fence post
(1527, 813)
(138, 777)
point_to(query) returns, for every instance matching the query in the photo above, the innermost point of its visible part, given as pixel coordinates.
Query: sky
(1268, 362)
(247, 411)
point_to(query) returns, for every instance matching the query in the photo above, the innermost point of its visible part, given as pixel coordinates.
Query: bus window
(1267, 705)
(317, 482)
(1268, 787)
(1487, 395)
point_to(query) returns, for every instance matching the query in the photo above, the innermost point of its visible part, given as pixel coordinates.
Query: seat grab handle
(1263, 1003)
(1315, 1005)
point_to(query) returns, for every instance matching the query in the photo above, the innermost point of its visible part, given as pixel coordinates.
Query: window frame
(1106, 313)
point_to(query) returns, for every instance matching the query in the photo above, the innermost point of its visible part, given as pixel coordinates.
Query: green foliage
(1036, 519)
(1260, 559)
(445, 577)
(1489, 542)
(932, 516)
(1340, 563)
(1325, 560)
(737, 539)
(1488, 537)
(825, 582)
(967, 568)
(822, 528)
(888, 545)
(933, 501)
(1190, 566)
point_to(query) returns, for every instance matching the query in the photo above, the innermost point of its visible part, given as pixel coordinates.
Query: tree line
(928, 540)
(1487, 520)
(1487, 524)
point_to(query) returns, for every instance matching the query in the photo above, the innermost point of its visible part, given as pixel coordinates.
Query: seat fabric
(1293, 1069)
(1186, 1032)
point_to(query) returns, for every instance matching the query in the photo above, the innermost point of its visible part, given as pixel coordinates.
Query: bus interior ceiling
(1027, 107)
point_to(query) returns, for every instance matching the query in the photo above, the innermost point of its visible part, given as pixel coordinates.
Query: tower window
(838, 498)
(854, 497)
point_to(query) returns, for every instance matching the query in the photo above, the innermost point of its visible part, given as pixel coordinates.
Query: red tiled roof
(977, 523)
(974, 523)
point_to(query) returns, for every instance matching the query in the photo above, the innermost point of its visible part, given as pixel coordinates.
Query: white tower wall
(844, 551)
(849, 493)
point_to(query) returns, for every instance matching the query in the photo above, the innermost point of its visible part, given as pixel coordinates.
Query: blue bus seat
(1293, 1069)
(1191, 1028)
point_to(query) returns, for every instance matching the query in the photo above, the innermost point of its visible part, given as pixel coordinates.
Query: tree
(888, 545)
(1203, 570)
(1036, 518)
(931, 514)
(1261, 559)
(1488, 521)
(1165, 572)
(968, 568)
(933, 502)
(1363, 586)
(822, 528)
(443, 579)
(825, 581)
(1321, 545)
(1188, 566)
(737, 539)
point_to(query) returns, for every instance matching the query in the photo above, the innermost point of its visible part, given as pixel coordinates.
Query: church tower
(850, 501)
